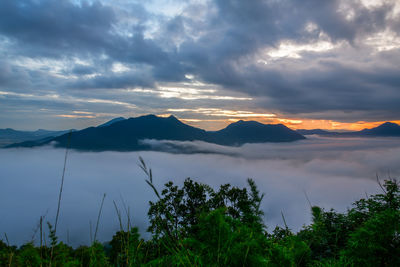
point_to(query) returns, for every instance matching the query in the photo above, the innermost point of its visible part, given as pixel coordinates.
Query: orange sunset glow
(295, 123)
(329, 124)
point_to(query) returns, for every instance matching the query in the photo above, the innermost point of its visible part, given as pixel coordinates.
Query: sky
(332, 172)
(308, 64)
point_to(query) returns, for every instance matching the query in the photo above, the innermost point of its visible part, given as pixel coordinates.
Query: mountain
(126, 135)
(10, 136)
(314, 131)
(108, 123)
(242, 132)
(384, 130)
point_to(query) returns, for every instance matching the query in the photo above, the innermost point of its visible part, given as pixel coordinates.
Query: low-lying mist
(332, 172)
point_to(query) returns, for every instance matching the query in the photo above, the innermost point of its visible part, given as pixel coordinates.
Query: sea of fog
(332, 172)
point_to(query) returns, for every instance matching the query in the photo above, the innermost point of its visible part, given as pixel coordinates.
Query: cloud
(111, 81)
(319, 82)
(337, 59)
(333, 173)
(313, 147)
(51, 28)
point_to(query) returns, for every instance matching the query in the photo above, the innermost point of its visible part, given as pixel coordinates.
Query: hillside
(10, 136)
(126, 134)
(242, 132)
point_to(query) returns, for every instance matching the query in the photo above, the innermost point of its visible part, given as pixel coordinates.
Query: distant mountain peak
(385, 129)
(172, 117)
(108, 123)
(150, 116)
(245, 123)
(157, 118)
(242, 123)
(241, 132)
(389, 124)
(314, 131)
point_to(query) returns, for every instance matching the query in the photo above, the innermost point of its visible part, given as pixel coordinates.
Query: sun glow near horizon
(217, 119)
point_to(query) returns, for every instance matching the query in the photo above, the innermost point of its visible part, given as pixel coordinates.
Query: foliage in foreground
(195, 225)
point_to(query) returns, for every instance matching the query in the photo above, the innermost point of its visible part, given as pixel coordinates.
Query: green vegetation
(195, 225)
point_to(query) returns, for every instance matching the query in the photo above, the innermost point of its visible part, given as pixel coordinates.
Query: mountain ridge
(126, 134)
(9, 136)
(386, 129)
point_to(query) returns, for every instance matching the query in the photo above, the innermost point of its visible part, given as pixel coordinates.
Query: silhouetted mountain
(10, 136)
(385, 129)
(108, 123)
(242, 132)
(314, 131)
(126, 135)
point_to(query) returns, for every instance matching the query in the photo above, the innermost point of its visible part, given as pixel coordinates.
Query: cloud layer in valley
(332, 172)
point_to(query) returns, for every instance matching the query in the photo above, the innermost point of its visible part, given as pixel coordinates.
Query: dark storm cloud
(218, 42)
(130, 79)
(54, 28)
(242, 27)
(83, 69)
(60, 29)
(325, 14)
(329, 86)
(15, 78)
(323, 86)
